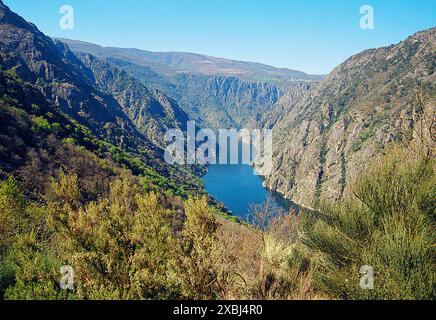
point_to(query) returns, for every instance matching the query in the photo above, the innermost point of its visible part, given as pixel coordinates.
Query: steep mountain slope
(217, 93)
(213, 101)
(331, 134)
(49, 91)
(270, 117)
(152, 112)
(224, 102)
(58, 74)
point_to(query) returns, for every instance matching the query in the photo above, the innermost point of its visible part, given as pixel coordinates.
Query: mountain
(215, 92)
(152, 112)
(273, 114)
(325, 137)
(212, 101)
(224, 102)
(50, 98)
(182, 62)
(86, 196)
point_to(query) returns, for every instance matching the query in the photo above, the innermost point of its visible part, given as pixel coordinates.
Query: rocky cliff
(152, 112)
(325, 137)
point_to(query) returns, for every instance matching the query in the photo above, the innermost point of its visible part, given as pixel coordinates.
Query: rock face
(152, 112)
(212, 101)
(278, 111)
(324, 137)
(224, 102)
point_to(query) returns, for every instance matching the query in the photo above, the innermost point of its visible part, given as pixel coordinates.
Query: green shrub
(41, 125)
(389, 225)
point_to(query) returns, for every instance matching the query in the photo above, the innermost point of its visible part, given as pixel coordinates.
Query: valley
(85, 180)
(226, 94)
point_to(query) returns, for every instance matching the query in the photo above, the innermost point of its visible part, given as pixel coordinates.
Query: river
(238, 188)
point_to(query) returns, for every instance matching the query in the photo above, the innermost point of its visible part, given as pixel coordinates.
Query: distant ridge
(170, 62)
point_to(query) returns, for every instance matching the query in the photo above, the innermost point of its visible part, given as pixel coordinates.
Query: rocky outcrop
(278, 111)
(152, 112)
(224, 102)
(323, 139)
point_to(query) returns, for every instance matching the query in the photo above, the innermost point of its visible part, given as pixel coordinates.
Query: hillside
(89, 209)
(217, 93)
(48, 94)
(152, 112)
(327, 136)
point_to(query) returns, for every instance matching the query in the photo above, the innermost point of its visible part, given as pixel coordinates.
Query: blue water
(237, 187)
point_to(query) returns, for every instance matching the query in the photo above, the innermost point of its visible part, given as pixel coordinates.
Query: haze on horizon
(310, 37)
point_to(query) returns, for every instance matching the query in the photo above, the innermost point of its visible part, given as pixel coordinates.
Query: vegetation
(356, 111)
(388, 224)
(87, 200)
(127, 245)
(132, 244)
(129, 242)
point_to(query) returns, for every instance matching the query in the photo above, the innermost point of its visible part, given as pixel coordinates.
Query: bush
(41, 125)
(119, 247)
(198, 257)
(13, 217)
(388, 224)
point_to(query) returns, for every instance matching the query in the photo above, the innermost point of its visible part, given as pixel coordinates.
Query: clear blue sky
(311, 35)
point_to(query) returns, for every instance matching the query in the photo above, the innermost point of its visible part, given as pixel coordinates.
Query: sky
(312, 36)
